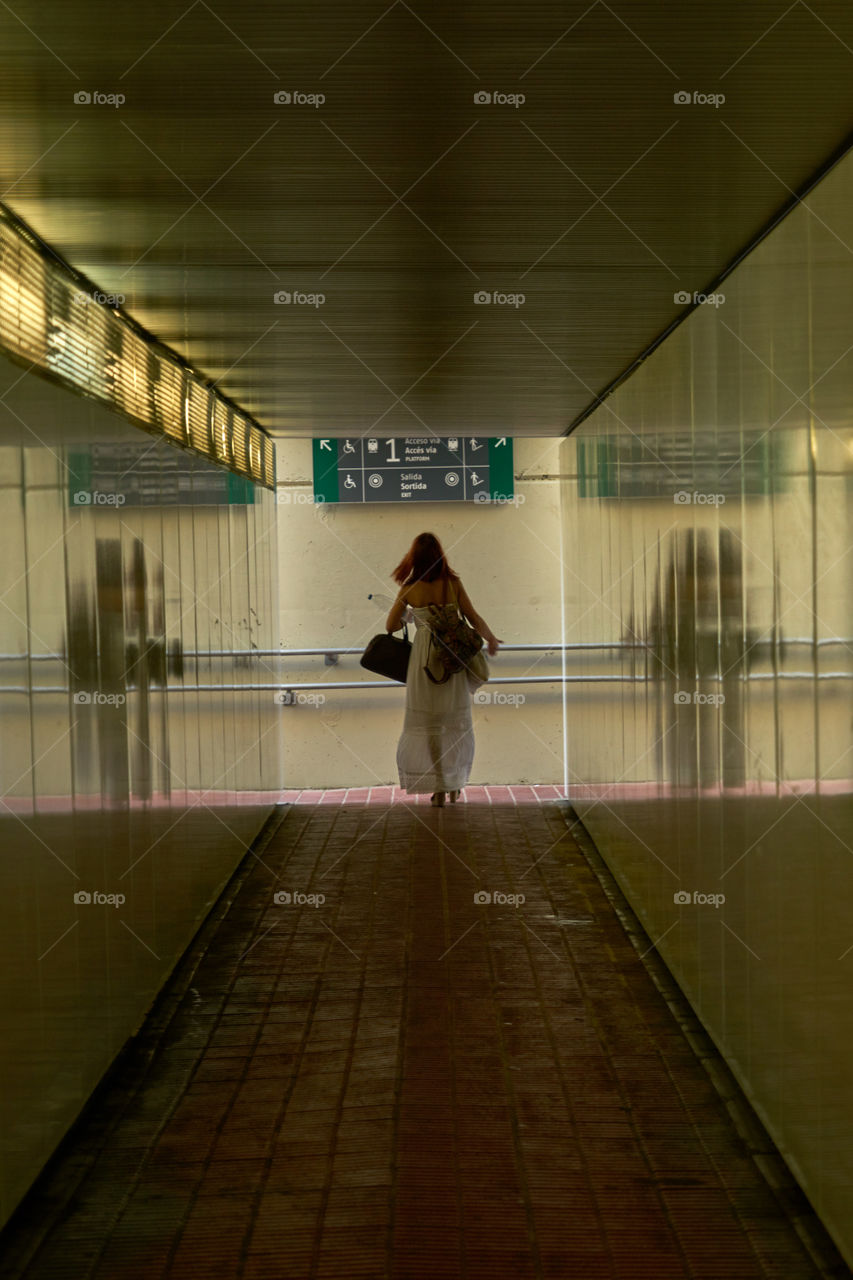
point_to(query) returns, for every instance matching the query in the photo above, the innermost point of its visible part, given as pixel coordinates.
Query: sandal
(437, 798)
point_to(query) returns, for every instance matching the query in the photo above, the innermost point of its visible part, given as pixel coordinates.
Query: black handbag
(388, 655)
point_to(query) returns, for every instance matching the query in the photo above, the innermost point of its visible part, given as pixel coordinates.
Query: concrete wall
(334, 556)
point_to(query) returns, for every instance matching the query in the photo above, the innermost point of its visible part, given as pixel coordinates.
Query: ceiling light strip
(72, 333)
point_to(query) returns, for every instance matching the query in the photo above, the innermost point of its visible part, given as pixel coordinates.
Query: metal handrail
(394, 684)
(505, 648)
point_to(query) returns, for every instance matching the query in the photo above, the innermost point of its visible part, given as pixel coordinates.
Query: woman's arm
(395, 618)
(478, 623)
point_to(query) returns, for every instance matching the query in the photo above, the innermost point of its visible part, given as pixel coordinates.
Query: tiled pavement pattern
(403, 1083)
(537, 794)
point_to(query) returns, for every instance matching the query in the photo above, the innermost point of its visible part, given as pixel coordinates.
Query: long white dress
(436, 747)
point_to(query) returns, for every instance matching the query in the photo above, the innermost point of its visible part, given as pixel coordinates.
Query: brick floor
(401, 1082)
(540, 793)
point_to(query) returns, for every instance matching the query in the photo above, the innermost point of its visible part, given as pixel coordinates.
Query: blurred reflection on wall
(699, 642)
(710, 496)
(117, 773)
(110, 649)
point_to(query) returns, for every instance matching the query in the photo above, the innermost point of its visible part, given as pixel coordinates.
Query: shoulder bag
(455, 644)
(388, 655)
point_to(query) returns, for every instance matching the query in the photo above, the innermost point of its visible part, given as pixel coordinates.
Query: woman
(436, 748)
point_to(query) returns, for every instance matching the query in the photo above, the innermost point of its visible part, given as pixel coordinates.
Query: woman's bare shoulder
(423, 593)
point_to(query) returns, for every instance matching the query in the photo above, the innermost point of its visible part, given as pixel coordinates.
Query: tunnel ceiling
(586, 208)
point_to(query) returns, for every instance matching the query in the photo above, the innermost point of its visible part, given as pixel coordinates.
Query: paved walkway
(400, 1082)
(541, 793)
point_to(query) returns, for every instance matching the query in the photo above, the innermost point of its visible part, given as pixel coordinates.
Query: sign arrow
(501, 441)
(326, 444)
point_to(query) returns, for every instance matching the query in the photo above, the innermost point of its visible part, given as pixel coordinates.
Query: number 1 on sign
(392, 457)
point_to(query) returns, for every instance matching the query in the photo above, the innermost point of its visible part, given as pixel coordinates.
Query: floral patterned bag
(452, 641)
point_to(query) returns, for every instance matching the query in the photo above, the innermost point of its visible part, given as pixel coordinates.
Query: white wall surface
(334, 556)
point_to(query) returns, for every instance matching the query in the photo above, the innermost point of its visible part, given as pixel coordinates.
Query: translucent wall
(138, 583)
(707, 509)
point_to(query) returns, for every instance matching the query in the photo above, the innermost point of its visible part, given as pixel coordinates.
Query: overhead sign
(414, 469)
(107, 476)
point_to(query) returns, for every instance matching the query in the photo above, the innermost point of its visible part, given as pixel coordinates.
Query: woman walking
(436, 748)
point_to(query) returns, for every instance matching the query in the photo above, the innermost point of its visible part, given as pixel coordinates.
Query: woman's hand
(476, 621)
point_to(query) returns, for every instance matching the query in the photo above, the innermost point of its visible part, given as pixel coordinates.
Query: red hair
(425, 561)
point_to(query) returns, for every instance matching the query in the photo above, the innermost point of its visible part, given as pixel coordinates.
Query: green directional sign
(414, 469)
